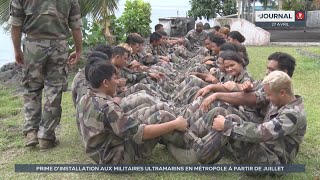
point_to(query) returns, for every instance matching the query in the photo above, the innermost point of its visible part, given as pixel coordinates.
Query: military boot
(46, 144)
(183, 156)
(31, 138)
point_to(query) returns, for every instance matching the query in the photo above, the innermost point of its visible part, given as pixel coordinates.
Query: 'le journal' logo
(275, 16)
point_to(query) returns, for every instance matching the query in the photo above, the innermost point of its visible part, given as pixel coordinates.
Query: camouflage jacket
(144, 59)
(242, 77)
(151, 49)
(221, 76)
(79, 87)
(196, 39)
(164, 49)
(106, 130)
(281, 132)
(46, 19)
(132, 76)
(262, 102)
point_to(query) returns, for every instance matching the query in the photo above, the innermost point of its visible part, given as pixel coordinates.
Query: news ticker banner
(45, 168)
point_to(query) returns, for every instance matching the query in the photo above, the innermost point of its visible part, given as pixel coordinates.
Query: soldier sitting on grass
(111, 136)
(274, 141)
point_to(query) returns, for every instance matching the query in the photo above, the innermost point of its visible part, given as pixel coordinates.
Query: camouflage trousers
(183, 52)
(44, 72)
(209, 144)
(186, 74)
(186, 91)
(164, 86)
(241, 111)
(156, 114)
(148, 89)
(156, 69)
(137, 100)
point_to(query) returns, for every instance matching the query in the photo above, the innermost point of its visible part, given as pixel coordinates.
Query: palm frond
(98, 8)
(4, 13)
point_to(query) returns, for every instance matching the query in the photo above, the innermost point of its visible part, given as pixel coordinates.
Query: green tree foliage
(229, 7)
(293, 5)
(92, 35)
(135, 18)
(97, 9)
(118, 30)
(211, 8)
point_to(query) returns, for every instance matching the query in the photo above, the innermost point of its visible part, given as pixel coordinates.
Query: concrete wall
(254, 35)
(313, 19)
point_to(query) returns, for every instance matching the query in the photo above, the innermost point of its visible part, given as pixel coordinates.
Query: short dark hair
(229, 47)
(98, 54)
(100, 71)
(157, 27)
(105, 49)
(89, 63)
(227, 26)
(206, 26)
(237, 35)
(285, 62)
(216, 39)
(119, 50)
(234, 56)
(134, 38)
(217, 28)
(155, 37)
(162, 33)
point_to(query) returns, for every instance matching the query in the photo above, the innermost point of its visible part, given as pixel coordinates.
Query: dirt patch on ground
(10, 154)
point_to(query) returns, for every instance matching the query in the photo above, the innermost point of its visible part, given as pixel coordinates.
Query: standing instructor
(46, 25)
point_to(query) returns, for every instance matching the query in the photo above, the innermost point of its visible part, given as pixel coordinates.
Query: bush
(135, 18)
(92, 35)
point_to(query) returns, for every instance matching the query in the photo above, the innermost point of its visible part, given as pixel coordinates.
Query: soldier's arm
(133, 77)
(155, 130)
(149, 60)
(17, 16)
(122, 124)
(16, 39)
(237, 98)
(172, 42)
(126, 126)
(75, 23)
(217, 88)
(207, 77)
(276, 128)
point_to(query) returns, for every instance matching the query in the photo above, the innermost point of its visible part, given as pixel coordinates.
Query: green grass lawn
(70, 151)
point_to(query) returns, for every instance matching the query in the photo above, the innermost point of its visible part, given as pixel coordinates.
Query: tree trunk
(280, 5)
(107, 33)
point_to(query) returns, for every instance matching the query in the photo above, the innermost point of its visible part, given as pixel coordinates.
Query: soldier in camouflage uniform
(237, 38)
(237, 75)
(131, 99)
(274, 141)
(196, 36)
(154, 48)
(252, 104)
(206, 59)
(130, 78)
(45, 56)
(111, 136)
(79, 84)
(135, 41)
